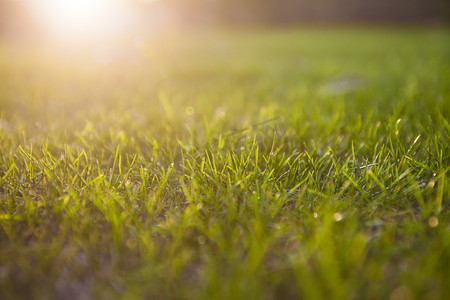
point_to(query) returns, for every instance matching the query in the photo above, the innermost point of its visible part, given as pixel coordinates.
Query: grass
(235, 165)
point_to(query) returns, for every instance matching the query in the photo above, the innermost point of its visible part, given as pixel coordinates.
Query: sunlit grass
(290, 164)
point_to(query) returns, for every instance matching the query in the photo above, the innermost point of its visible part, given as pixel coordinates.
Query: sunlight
(75, 19)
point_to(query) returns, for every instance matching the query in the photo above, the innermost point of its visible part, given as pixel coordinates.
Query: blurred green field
(309, 164)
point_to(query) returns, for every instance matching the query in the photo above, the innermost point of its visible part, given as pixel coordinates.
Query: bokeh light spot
(433, 222)
(337, 217)
(189, 110)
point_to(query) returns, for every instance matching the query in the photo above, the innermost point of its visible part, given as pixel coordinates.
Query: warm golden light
(74, 19)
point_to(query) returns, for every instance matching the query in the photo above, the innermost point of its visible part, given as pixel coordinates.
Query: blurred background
(29, 18)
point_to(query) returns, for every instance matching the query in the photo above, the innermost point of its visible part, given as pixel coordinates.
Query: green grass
(235, 165)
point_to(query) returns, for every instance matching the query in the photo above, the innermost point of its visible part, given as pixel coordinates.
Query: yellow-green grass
(308, 164)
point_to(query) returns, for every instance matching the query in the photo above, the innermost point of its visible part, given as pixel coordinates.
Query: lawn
(280, 164)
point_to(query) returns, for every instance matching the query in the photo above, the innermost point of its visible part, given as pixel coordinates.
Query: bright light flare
(75, 19)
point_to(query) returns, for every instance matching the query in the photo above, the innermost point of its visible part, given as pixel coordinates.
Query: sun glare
(80, 9)
(74, 19)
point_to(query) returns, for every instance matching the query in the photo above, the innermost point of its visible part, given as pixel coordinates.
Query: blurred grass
(284, 164)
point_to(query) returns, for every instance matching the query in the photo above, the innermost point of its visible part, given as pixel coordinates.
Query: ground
(289, 163)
